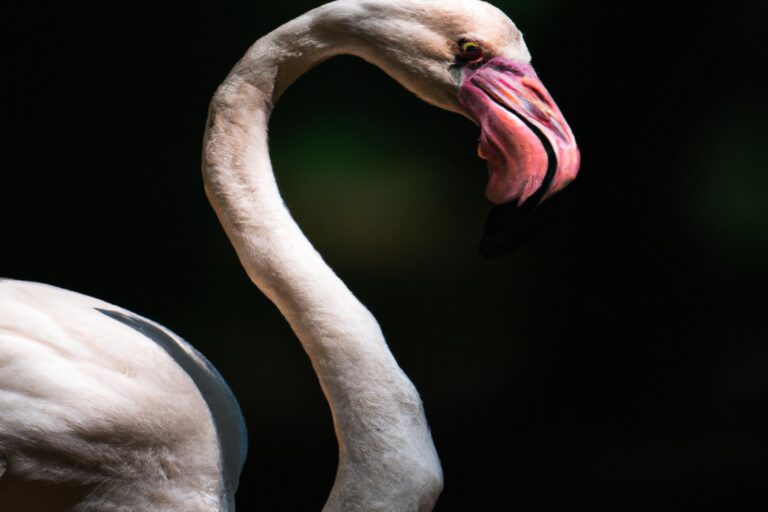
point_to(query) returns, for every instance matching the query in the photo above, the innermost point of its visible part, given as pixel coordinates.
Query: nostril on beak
(537, 92)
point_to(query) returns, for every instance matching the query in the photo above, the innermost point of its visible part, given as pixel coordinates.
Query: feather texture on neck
(387, 460)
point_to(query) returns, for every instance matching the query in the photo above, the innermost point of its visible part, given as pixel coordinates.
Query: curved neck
(387, 460)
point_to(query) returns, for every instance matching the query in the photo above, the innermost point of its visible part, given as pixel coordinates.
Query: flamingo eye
(470, 50)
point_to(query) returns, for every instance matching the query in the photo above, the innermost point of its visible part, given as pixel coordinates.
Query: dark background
(617, 362)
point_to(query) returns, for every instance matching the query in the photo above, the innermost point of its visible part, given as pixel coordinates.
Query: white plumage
(86, 400)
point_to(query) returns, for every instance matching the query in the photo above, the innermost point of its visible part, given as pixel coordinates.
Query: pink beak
(530, 149)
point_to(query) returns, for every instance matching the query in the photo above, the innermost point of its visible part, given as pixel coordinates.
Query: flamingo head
(468, 57)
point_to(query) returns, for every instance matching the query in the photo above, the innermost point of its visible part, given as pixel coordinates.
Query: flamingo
(110, 411)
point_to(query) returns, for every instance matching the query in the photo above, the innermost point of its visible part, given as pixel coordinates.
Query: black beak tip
(507, 228)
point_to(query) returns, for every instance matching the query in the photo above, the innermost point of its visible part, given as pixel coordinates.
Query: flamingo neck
(387, 460)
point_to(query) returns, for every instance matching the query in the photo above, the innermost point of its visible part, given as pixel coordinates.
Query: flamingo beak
(530, 148)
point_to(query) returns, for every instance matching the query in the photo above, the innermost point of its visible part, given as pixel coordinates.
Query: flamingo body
(94, 396)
